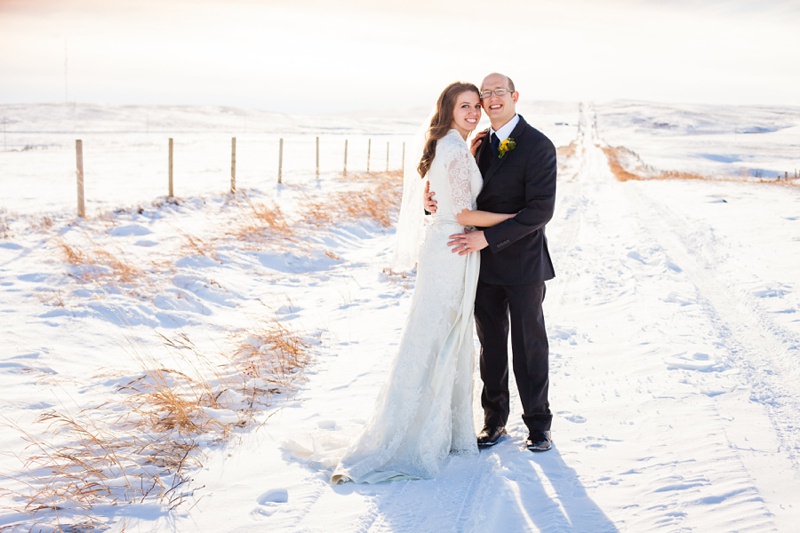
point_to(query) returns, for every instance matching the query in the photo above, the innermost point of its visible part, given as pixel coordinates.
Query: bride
(424, 411)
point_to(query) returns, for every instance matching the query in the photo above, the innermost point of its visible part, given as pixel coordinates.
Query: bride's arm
(459, 170)
(481, 219)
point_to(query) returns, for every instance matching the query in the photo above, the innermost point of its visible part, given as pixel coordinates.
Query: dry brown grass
(100, 264)
(197, 246)
(52, 298)
(786, 182)
(676, 175)
(45, 223)
(369, 195)
(399, 278)
(263, 222)
(143, 444)
(377, 202)
(270, 359)
(143, 447)
(72, 255)
(107, 456)
(121, 271)
(168, 400)
(270, 217)
(267, 362)
(368, 204)
(95, 464)
(318, 213)
(566, 152)
(84, 468)
(376, 196)
(390, 175)
(617, 154)
(614, 156)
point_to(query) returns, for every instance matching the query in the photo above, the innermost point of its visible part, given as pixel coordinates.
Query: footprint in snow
(701, 362)
(575, 419)
(269, 502)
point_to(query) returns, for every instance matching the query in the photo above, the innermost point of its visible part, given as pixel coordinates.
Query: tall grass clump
(262, 222)
(141, 447)
(379, 201)
(98, 264)
(143, 443)
(270, 361)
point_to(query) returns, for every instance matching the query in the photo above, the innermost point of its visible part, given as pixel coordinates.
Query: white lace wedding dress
(424, 411)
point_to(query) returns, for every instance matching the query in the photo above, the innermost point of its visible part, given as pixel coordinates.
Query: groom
(518, 165)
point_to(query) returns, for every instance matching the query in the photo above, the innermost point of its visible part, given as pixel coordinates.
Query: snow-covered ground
(720, 141)
(673, 321)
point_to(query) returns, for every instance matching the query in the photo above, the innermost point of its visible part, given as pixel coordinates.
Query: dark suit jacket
(524, 181)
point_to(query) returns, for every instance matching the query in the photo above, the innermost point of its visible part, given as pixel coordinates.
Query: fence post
(233, 164)
(317, 157)
(280, 161)
(345, 157)
(79, 170)
(369, 152)
(171, 190)
(403, 160)
(387, 156)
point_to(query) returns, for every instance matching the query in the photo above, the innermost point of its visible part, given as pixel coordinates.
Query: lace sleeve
(458, 174)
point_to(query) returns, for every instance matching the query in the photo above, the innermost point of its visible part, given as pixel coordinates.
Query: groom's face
(499, 109)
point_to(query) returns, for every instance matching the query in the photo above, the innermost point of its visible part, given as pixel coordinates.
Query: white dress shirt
(505, 132)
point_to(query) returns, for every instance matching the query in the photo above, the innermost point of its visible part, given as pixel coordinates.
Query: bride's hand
(477, 141)
(430, 203)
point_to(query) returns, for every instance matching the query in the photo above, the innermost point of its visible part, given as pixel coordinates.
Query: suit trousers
(519, 306)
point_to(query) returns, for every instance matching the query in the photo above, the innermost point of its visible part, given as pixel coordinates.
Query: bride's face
(467, 112)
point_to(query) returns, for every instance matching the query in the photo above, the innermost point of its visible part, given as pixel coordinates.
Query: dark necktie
(495, 144)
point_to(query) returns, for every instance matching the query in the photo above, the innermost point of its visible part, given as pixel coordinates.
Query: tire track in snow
(756, 347)
(618, 266)
(751, 344)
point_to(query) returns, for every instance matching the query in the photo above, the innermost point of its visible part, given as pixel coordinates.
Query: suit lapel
(484, 157)
(496, 163)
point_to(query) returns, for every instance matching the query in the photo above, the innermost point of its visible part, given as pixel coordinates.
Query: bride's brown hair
(442, 121)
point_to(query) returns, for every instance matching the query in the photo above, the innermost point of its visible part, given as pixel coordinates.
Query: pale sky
(348, 55)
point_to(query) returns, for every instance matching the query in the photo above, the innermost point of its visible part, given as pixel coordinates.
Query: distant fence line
(170, 166)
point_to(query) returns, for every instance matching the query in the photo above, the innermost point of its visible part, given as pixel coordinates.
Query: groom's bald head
(499, 109)
(509, 83)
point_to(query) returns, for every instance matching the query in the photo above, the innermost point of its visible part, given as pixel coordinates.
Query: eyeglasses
(497, 92)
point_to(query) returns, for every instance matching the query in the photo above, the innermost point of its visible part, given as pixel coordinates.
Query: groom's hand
(465, 243)
(430, 203)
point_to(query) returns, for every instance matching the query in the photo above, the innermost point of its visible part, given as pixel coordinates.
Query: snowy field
(126, 151)
(157, 357)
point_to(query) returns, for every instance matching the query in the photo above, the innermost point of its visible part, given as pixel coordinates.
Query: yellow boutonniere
(506, 146)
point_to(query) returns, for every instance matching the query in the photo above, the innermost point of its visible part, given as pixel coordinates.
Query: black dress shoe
(489, 435)
(538, 441)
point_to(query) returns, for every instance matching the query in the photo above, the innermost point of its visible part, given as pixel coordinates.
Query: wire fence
(109, 170)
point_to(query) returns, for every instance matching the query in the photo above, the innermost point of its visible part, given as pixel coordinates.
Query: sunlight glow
(313, 56)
